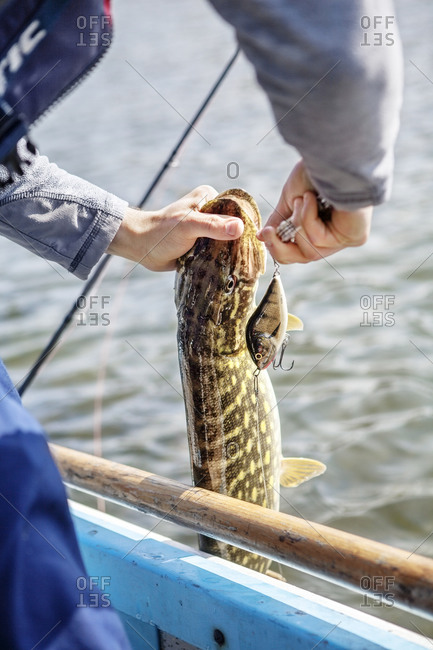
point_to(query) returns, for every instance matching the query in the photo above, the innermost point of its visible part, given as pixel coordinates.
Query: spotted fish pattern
(234, 443)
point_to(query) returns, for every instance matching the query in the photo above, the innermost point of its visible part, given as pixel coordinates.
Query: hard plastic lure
(268, 324)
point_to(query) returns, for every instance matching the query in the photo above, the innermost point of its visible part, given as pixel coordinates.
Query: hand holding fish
(313, 238)
(156, 239)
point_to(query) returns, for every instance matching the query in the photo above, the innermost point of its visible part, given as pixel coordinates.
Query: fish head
(216, 281)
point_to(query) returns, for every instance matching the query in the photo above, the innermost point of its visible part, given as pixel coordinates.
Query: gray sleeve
(333, 74)
(60, 217)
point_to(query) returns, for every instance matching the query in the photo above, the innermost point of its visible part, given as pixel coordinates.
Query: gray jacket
(335, 98)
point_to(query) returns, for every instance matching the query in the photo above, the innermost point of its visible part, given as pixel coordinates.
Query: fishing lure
(267, 326)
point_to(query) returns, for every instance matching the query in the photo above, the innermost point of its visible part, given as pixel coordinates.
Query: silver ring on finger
(287, 230)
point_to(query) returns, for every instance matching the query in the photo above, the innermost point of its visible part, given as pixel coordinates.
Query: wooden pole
(374, 569)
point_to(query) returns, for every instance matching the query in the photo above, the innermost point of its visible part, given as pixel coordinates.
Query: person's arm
(58, 216)
(334, 99)
(65, 219)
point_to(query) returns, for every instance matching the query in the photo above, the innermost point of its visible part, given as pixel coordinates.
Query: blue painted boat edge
(158, 584)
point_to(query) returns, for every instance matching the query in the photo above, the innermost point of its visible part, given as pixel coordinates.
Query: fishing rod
(102, 265)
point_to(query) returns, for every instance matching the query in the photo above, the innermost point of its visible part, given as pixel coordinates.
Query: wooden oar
(373, 568)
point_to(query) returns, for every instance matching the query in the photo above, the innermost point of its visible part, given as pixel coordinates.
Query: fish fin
(275, 575)
(294, 323)
(295, 471)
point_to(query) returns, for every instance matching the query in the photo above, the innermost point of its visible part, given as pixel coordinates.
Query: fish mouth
(235, 203)
(247, 253)
(213, 275)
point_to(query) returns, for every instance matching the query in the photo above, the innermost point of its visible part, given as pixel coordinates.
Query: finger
(297, 215)
(313, 237)
(344, 229)
(201, 195)
(295, 221)
(306, 248)
(215, 226)
(318, 232)
(290, 253)
(283, 210)
(284, 253)
(311, 233)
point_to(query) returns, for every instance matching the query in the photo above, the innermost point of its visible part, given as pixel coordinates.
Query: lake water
(360, 397)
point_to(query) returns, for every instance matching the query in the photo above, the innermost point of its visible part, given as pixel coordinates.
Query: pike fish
(232, 417)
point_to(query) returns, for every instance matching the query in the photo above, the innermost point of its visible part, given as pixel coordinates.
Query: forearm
(67, 220)
(336, 101)
(60, 217)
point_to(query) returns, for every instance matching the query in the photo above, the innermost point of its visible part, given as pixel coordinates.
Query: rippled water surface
(360, 395)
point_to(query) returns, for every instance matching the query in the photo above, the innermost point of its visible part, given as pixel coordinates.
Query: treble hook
(276, 268)
(279, 364)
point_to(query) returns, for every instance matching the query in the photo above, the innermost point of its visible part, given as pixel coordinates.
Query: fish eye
(230, 284)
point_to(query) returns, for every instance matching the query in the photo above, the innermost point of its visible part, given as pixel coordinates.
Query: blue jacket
(46, 47)
(46, 600)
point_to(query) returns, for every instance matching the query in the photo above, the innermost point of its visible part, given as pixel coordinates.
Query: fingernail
(264, 232)
(234, 227)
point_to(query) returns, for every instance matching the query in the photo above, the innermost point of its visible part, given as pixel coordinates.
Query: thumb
(281, 211)
(216, 226)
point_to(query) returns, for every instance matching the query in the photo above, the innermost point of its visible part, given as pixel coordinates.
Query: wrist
(126, 241)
